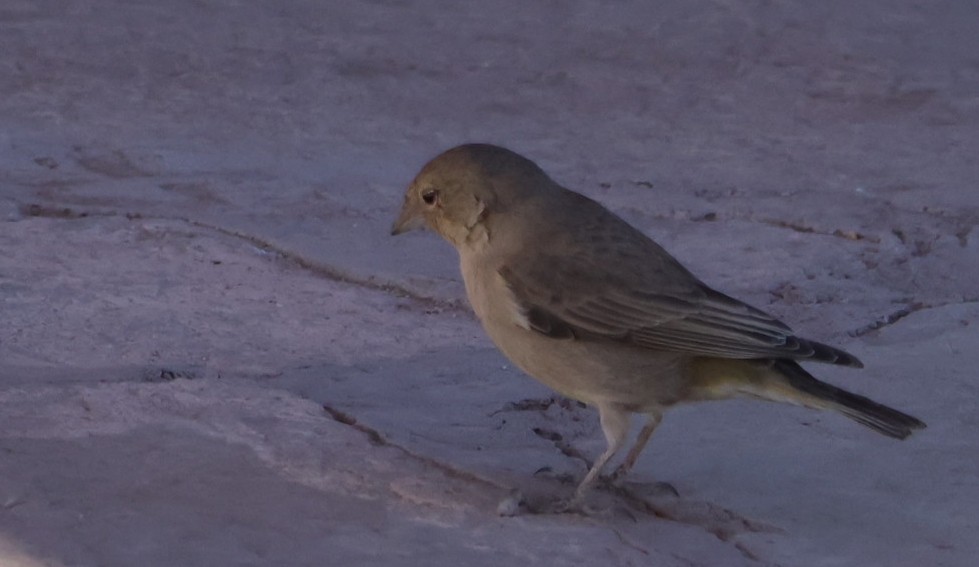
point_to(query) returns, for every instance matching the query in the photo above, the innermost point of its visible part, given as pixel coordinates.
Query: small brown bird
(593, 308)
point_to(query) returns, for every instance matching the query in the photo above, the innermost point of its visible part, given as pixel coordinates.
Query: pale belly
(592, 372)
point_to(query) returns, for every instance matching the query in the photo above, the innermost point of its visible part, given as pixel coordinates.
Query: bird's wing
(640, 295)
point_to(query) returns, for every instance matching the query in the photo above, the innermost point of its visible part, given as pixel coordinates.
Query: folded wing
(647, 299)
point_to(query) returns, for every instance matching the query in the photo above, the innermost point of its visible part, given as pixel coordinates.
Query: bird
(596, 310)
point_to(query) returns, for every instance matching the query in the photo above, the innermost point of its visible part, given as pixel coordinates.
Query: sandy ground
(213, 354)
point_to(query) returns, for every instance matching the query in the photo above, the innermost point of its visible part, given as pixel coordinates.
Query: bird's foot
(515, 504)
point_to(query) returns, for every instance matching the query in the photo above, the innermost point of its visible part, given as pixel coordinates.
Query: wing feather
(597, 300)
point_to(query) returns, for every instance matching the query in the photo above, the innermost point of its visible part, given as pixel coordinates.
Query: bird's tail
(783, 380)
(863, 410)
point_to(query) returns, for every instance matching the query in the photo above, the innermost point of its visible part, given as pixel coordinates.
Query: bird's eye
(430, 196)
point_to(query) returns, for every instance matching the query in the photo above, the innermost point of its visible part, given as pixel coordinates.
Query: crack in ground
(322, 270)
(334, 274)
(720, 522)
(713, 216)
(563, 446)
(886, 320)
(846, 234)
(895, 316)
(377, 439)
(539, 405)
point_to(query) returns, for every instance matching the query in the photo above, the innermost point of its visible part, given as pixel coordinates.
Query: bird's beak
(410, 218)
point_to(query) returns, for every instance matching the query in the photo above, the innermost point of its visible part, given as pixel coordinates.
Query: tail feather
(864, 411)
(832, 355)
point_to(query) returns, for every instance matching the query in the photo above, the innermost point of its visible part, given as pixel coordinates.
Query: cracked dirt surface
(212, 353)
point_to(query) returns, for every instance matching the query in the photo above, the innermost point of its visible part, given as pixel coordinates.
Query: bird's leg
(651, 489)
(615, 425)
(630, 459)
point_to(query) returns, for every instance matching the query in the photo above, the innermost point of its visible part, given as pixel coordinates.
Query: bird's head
(456, 191)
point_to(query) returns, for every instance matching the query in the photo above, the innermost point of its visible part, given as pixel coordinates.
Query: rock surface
(213, 354)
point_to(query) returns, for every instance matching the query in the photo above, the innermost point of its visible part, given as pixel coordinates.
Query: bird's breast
(490, 296)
